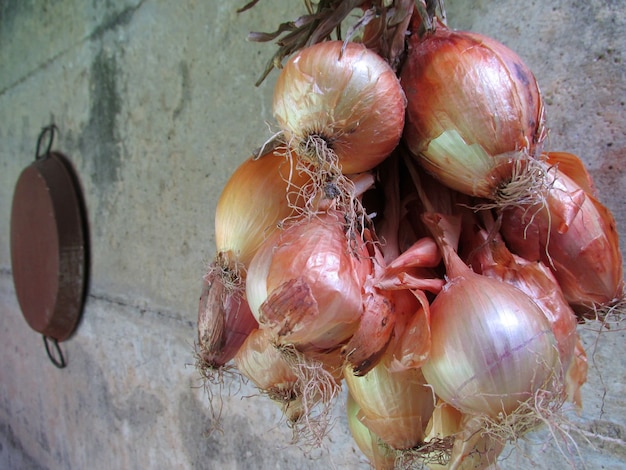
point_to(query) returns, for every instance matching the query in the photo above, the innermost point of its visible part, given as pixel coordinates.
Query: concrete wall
(156, 106)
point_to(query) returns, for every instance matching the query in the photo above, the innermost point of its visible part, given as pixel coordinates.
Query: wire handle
(60, 361)
(46, 130)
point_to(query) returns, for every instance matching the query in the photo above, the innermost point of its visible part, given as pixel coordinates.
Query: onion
(459, 441)
(243, 220)
(492, 347)
(395, 406)
(575, 235)
(268, 369)
(305, 283)
(339, 105)
(493, 259)
(474, 113)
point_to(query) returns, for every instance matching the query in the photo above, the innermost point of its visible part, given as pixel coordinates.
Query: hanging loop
(46, 130)
(57, 359)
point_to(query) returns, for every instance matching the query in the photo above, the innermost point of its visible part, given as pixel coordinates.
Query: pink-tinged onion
(492, 347)
(575, 235)
(474, 113)
(339, 106)
(304, 283)
(492, 258)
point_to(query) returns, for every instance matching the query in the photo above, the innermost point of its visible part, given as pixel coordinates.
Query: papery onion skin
(305, 283)
(472, 105)
(242, 218)
(576, 375)
(395, 405)
(269, 370)
(576, 236)
(350, 99)
(224, 322)
(492, 347)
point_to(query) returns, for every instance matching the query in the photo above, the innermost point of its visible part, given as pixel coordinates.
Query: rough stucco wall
(156, 107)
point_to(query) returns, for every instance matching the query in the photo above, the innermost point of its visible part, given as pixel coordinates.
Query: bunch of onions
(493, 350)
(474, 114)
(574, 234)
(242, 222)
(453, 332)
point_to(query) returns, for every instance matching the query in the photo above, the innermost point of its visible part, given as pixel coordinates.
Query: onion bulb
(493, 259)
(268, 369)
(224, 323)
(474, 113)
(242, 218)
(304, 283)
(492, 347)
(339, 105)
(395, 406)
(575, 235)
(459, 441)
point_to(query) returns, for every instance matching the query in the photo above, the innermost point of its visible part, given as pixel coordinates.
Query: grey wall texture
(156, 106)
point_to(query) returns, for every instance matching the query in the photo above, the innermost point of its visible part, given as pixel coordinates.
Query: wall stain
(98, 141)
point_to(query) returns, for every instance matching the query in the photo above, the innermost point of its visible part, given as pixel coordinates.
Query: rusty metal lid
(49, 248)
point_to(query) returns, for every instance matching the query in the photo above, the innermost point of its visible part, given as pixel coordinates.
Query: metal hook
(48, 129)
(60, 363)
